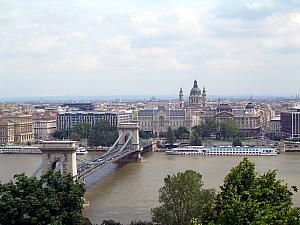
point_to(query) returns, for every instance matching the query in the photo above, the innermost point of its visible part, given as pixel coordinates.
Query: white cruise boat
(81, 151)
(19, 149)
(223, 150)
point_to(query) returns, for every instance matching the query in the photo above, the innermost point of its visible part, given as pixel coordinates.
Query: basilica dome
(195, 90)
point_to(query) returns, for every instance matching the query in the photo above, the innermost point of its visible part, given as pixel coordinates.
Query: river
(128, 192)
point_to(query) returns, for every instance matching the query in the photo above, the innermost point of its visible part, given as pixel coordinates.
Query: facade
(160, 119)
(274, 127)
(290, 123)
(248, 120)
(7, 132)
(68, 120)
(23, 127)
(44, 128)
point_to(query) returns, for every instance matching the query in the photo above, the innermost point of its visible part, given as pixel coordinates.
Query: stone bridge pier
(125, 131)
(59, 155)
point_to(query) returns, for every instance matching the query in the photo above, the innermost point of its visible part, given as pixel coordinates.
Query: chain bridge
(61, 155)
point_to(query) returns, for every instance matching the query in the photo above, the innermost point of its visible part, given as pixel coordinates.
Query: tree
(52, 199)
(102, 134)
(145, 134)
(171, 138)
(206, 128)
(182, 133)
(61, 134)
(110, 222)
(82, 129)
(183, 198)
(195, 139)
(229, 129)
(249, 198)
(237, 142)
(74, 136)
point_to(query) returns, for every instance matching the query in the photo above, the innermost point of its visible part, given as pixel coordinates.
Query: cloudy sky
(141, 47)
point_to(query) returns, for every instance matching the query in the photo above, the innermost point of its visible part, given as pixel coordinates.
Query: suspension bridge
(61, 155)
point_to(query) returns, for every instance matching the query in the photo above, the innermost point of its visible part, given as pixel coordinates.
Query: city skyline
(106, 48)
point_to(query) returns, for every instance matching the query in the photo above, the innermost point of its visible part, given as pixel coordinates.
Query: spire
(204, 90)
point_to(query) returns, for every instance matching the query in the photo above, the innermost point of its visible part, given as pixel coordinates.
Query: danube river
(128, 192)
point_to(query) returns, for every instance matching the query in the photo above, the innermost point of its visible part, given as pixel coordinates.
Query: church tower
(195, 99)
(181, 101)
(204, 97)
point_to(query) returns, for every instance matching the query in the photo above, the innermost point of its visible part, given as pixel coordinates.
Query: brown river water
(128, 192)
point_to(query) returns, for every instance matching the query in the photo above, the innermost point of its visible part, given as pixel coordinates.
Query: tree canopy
(103, 134)
(52, 199)
(228, 129)
(170, 135)
(183, 198)
(249, 198)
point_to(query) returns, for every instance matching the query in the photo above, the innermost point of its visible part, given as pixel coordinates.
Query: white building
(44, 129)
(68, 120)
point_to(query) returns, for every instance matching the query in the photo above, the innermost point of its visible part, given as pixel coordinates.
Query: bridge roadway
(115, 154)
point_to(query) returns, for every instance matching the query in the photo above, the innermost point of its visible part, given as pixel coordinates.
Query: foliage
(206, 128)
(110, 222)
(237, 142)
(74, 136)
(183, 198)
(82, 130)
(102, 134)
(249, 198)
(195, 139)
(140, 223)
(182, 133)
(229, 129)
(145, 135)
(61, 134)
(52, 199)
(170, 135)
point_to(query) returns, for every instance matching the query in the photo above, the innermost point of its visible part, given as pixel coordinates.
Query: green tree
(206, 128)
(110, 222)
(61, 134)
(102, 134)
(170, 135)
(74, 136)
(82, 129)
(52, 199)
(229, 129)
(145, 135)
(237, 142)
(141, 223)
(183, 198)
(182, 133)
(195, 138)
(249, 198)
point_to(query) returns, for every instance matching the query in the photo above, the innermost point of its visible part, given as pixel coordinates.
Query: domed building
(197, 99)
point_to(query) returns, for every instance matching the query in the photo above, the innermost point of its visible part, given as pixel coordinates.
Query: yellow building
(7, 131)
(23, 127)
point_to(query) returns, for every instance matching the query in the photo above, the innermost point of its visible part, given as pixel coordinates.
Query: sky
(142, 47)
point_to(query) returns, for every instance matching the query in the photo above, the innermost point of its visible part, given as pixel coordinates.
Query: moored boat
(223, 151)
(81, 151)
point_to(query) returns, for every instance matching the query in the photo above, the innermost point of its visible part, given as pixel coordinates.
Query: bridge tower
(126, 131)
(59, 155)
